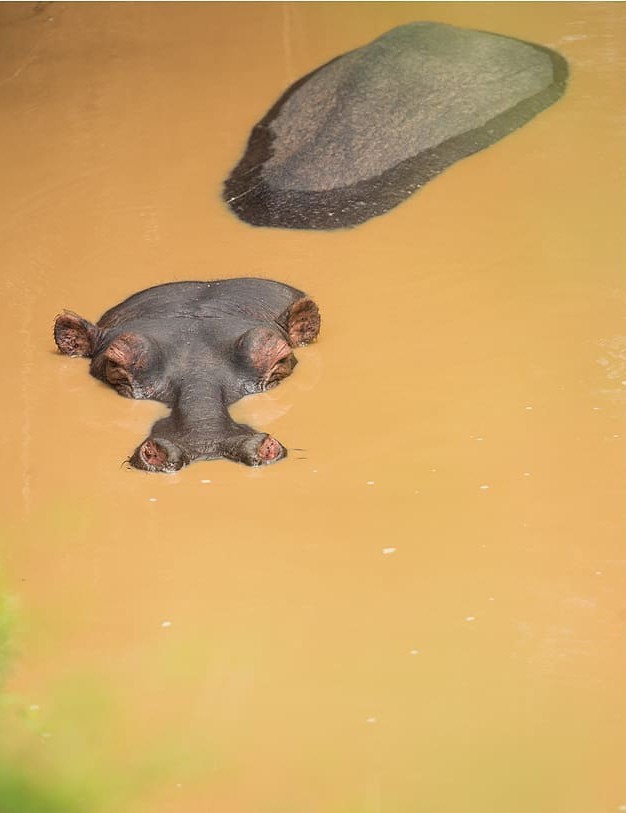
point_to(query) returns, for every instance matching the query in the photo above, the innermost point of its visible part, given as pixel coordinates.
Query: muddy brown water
(421, 610)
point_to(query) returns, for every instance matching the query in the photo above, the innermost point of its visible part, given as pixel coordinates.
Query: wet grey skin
(196, 347)
(359, 135)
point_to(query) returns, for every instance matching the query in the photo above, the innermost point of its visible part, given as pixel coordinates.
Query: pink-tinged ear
(74, 336)
(302, 321)
(128, 350)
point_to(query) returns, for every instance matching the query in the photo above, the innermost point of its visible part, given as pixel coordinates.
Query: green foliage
(6, 625)
(20, 794)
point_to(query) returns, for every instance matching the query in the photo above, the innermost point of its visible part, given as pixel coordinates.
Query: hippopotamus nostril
(270, 449)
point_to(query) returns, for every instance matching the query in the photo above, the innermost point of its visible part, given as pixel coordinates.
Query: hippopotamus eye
(115, 373)
(127, 355)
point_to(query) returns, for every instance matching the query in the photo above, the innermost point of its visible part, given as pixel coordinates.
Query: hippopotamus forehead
(180, 335)
(209, 300)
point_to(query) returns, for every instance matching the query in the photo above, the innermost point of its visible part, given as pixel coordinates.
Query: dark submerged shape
(197, 347)
(359, 135)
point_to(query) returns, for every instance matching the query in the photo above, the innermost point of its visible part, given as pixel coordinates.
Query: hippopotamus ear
(301, 320)
(75, 336)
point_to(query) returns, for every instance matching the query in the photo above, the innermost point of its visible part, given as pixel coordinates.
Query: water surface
(419, 611)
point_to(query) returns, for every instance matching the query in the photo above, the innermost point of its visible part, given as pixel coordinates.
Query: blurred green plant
(6, 619)
(20, 792)
(62, 757)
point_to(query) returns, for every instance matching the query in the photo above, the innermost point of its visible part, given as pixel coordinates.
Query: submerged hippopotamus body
(197, 347)
(359, 135)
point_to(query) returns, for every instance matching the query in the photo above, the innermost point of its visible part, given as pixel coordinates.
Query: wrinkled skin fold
(196, 347)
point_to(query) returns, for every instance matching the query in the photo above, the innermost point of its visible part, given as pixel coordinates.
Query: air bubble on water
(387, 551)
(371, 720)
(415, 652)
(165, 624)
(484, 487)
(470, 618)
(206, 481)
(152, 499)
(528, 408)
(33, 707)
(371, 482)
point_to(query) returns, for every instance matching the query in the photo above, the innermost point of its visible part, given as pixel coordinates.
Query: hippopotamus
(196, 347)
(360, 134)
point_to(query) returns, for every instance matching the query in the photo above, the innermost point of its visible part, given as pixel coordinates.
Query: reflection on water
(421, 609)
